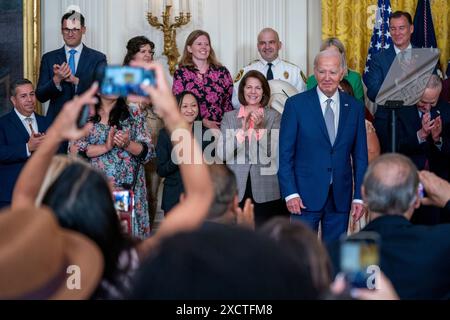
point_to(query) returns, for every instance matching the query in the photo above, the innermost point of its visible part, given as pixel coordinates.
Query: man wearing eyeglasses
(70, 70)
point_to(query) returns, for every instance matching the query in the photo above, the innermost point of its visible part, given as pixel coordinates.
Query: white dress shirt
(27, 127)
(335, 106)
(77, 55)
(281, 69)
(77, 59)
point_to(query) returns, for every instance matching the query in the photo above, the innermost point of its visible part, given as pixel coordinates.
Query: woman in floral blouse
(118, 143)
(199, 72)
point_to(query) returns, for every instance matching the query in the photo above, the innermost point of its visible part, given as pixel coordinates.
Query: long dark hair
(118, 114)
(82, 201)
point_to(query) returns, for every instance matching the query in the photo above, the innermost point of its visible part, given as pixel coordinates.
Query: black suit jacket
(13, 152)
(408, 123)
(415, 258)
(89, 67)
(166, 168)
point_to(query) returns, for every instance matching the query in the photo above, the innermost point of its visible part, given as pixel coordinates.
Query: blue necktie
(72, 60)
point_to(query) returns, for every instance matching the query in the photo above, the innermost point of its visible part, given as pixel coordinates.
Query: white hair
(328, 54)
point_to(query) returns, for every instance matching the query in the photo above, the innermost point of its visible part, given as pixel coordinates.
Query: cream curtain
(351, 22)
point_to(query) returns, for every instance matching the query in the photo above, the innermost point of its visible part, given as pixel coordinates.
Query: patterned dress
(120, 166)
(213, 90)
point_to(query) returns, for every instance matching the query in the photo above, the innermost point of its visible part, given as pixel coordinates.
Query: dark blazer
(307, 158)
(379, 66)
(415, 258)
(13, 152)
(90, 64)
(408, 123)
(166, 168)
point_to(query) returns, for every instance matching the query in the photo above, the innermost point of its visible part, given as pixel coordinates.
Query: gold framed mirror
(32, 41)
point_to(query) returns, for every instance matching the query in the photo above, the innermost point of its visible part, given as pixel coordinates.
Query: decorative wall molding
(232, 24)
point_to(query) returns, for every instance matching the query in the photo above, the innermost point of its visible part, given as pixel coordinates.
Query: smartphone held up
(125, 80)
(360, 259)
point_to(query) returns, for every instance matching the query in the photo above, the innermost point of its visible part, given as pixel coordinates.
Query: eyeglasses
(69, 31)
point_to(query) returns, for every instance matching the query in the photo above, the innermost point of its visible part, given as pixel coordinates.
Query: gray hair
(434, 82)
(335, 42)
(390, 184)
(330, 53)
(18, 83)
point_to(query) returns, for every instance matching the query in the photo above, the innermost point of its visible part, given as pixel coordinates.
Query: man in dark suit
(415, 258)
(69, 70)
(401, 29)
(323, 151)
(423, 135)
(21, 133)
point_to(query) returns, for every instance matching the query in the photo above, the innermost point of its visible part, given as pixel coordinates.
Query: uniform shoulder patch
(288, 62)
(239, 75)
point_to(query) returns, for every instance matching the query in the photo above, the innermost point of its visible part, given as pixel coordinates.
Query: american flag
(381, 38)
(423, 36)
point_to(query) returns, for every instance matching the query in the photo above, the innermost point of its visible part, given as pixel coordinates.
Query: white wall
(232, 24)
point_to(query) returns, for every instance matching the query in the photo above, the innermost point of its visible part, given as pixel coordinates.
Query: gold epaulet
(239, 75)
(290, 63)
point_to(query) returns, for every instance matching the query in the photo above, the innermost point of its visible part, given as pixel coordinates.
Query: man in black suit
(70, 70)
(423, 134)
(21, 133)
(415, 258)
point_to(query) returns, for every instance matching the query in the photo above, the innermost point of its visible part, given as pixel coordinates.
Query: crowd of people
(257, 200)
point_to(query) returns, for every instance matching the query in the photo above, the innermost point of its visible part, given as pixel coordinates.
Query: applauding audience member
(118, 144)
(82, 201)
(247, 145)
(21, 133)
(70, 70)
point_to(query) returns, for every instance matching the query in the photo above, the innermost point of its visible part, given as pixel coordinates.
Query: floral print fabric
(120, 166)
(213, 89)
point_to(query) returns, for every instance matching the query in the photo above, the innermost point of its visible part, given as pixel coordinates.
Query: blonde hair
(57, 166)
(186, 59)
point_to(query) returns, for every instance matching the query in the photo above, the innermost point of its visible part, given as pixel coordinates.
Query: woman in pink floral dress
(119, 142)
(199, 72)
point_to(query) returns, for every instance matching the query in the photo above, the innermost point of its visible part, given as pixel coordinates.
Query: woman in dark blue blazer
(166, 168)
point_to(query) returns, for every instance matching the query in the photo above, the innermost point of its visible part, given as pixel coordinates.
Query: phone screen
(124, 80)
(360, 258)
(434, 113)
(123, 203)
